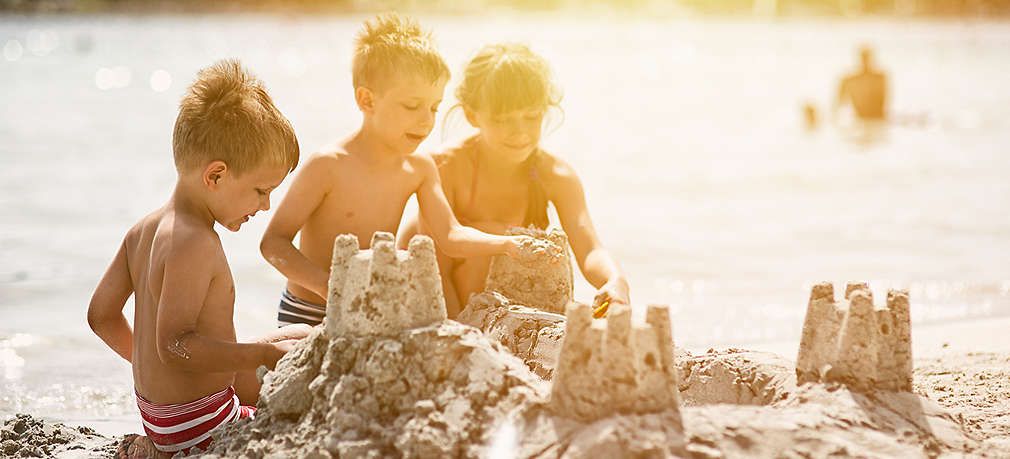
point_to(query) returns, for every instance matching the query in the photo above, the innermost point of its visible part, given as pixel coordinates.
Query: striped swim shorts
(294, 310)
(179, 427)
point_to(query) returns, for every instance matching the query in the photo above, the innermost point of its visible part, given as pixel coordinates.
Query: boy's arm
(308, 189)
(595, 261)
(187, 279)
(452, 238)
(105, 313)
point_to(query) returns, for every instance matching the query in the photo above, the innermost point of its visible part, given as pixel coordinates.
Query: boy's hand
(528, 250)
(277, 350)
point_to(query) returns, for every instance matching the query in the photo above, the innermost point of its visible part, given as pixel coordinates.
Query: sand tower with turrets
(541, 285)
(610, 366)
(854, 343)
(383, 291)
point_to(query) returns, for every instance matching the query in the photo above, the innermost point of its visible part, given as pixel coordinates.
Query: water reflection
(13, 50)
(160, 80)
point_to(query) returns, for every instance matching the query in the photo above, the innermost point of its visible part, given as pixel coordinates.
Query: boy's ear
(365, 99)
(471, 116)
(213, 173)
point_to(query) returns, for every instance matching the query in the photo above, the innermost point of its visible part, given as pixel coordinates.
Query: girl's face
(513, 135)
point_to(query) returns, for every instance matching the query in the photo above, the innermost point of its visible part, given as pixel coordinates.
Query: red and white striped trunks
(179, 427)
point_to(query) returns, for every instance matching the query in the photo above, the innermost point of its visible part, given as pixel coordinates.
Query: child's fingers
(601, 311)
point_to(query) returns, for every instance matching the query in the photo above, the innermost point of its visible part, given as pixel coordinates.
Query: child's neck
(368, 146)
(496, 162)
(189, 199)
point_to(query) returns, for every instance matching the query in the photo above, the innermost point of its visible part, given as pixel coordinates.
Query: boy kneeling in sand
(361, 185)
(232, 147)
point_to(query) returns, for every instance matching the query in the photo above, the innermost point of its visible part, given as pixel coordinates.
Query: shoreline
(964, 337)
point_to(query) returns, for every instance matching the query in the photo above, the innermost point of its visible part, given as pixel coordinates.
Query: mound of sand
(389, 376)
(27, 436)
(435, 391)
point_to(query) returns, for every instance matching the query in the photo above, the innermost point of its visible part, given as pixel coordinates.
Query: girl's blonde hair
(505, 77)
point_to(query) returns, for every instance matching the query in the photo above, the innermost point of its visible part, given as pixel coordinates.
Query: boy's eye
(434, 109)
(261, 192)
(411, 107)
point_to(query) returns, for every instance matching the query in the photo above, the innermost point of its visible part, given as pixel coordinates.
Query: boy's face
(404, 111)
(239, 197)
(514, 135)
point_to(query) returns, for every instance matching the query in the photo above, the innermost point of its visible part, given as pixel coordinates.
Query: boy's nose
(265, 203)
(429, 118)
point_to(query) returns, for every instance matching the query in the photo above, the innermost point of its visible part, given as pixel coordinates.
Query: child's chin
(234, 227)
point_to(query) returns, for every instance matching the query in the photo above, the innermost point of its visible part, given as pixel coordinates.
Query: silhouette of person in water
(866, 89)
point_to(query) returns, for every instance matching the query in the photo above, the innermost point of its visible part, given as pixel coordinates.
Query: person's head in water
(866, 57)
(506, 92)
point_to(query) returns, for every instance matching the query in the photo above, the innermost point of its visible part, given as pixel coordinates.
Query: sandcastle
(387, 375)
(547, 287)
(609, 366)
(855, 344)
(382, 290)
(379, 382)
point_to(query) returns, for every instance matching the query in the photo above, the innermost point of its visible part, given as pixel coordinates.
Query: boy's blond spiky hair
(389, 44)
(227, 115)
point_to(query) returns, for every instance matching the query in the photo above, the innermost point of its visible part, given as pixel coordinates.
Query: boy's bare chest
(367, 199)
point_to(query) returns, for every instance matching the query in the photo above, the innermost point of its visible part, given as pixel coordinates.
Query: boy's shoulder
(179, 234)
(422, 163)
(455, 158)
(328, 156)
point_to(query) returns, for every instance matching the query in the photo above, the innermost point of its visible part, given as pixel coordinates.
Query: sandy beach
(514, 380)
(974, 387)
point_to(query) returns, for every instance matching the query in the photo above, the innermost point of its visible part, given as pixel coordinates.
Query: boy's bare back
(168, 250)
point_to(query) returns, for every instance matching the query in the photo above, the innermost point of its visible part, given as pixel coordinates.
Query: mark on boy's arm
(179, 349)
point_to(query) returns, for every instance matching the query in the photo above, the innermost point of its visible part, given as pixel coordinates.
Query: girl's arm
(595, 261)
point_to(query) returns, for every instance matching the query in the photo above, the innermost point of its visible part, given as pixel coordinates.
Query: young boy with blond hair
(361, 185)
(232, 147)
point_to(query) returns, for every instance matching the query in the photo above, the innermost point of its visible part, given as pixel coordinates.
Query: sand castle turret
(609, 367)
(541, 285)
(383, 291)
(853, 342)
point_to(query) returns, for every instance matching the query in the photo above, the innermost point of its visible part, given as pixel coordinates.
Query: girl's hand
(528, 250)
(615, 291)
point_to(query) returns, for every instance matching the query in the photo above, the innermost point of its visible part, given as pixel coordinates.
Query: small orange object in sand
(601, 311)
